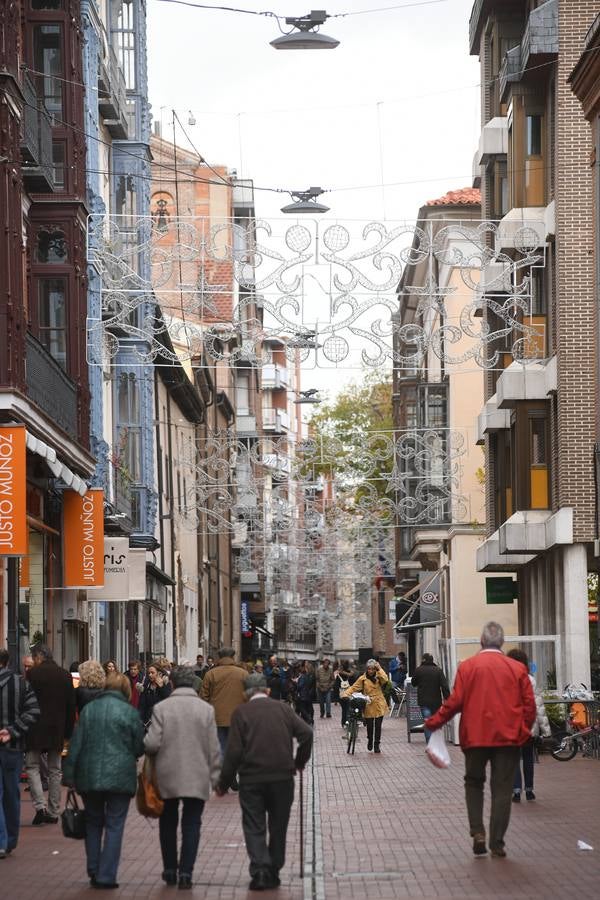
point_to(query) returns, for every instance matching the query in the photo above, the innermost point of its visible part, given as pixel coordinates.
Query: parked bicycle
(356, 706)
(567, 743)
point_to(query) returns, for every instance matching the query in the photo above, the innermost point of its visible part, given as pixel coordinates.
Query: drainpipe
(12, 577)
(172, 527)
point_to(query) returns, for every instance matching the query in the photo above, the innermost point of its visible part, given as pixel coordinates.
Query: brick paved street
(385, 826)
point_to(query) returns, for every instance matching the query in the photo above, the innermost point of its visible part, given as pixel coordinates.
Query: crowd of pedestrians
(219, 725)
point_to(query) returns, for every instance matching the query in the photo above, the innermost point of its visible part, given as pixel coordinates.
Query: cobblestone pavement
(380, 826)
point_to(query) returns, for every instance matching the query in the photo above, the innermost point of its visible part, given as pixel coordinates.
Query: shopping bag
(73, 818)
(437, 750)
(148, 800)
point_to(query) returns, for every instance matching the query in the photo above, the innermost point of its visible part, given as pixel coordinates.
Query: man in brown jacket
(223, 688)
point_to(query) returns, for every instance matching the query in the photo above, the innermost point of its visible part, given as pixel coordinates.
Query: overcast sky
(397, 100)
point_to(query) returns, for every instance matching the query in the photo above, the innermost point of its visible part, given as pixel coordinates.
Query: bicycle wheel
(352, 730)
(565, 746)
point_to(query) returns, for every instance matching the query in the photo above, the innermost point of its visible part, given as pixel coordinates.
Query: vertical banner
(83, 539)
(13, 494)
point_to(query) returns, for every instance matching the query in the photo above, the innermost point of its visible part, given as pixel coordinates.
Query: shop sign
(500, 590)
(13, 491)
(116, 570)
(83, 539)
(245, 619)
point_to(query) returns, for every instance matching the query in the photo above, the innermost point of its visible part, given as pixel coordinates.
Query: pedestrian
(259, 667)
(285, 675)
(223, 688)
(156, 688)
(371, 683)
(55, 693)
(200, 669)
(432, 688)
(92, 680)
(19, 710)
(541, 726)
(183, 741)
(101, 766)
(274, 683)
(260, 750)
(136, 681)
(110, 666)
(496, 700)
(398, 669)
(325, 678)
(305, 690)
(345, 677)
(272, 662)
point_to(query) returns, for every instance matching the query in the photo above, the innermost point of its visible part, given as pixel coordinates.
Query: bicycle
(566, 743)
(354, 718)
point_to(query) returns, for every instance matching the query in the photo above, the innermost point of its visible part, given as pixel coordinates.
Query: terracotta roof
(462, 197)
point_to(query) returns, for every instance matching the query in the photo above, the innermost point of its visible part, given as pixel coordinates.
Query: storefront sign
(13, 500)
(245, 621)
(83, 539)
(500, 590)
(116, 570)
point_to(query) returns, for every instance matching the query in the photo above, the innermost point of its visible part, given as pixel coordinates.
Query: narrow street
(377, 826)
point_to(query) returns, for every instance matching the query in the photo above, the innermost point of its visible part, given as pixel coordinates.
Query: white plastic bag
(437, 750)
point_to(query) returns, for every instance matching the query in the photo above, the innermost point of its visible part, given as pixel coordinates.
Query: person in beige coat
(223, 688)
(182, 740)
(371, 684)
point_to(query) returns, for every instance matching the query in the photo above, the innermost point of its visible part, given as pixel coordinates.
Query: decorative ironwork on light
(306, 202)
(309, 396)
(306, 37)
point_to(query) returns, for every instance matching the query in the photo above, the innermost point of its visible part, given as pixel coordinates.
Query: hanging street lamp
(306, 37)
(305, 202)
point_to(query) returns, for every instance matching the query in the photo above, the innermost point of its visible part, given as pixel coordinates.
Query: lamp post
(306, 37)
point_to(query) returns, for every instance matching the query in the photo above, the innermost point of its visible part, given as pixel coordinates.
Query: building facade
(539, 419)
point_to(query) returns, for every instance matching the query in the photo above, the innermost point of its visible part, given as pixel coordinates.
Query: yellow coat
(373, 689)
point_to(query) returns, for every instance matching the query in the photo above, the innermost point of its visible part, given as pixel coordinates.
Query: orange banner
(83, 539)
(13, 499)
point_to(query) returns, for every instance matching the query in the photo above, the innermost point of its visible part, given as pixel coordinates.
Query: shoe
(44, 785)
(262, 881)
(530, 795)
(499, 852)
(321, 716)
(185, 883)
(50, 820)
(328, 715)
(169, 876)
(2, 854)
(105, 885)
(377, 749)
(516, 798)
(479, 847)
(369, 748)
(92, 880)
(40, 817)
(344, 724)
(275, 877)
(235, 786)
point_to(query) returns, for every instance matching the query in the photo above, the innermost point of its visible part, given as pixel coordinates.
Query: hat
(371, 662)
(255, 682)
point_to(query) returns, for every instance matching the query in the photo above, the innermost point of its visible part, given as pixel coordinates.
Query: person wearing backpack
(19, 710)
(344, 678)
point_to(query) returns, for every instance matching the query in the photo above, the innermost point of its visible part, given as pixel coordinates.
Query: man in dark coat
(260, 748)
(432, 688)
(54, 690)
(18, 712)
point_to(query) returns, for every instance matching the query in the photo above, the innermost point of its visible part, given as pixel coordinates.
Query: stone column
(576, 647)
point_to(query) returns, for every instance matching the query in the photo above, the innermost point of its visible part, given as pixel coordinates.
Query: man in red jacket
(496, 700)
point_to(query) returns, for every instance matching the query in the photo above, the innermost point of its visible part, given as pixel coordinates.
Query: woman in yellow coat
(371, 684)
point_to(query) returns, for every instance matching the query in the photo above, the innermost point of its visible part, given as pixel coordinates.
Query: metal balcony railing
(36, 142)
(112, 96)
(50, 387)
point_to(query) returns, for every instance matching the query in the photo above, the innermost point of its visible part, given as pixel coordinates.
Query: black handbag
(73, 818)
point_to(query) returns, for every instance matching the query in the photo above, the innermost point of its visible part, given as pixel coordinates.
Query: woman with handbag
(372, 683)
(101, 765)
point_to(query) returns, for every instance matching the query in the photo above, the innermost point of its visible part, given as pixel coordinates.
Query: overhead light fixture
(305, 202)
(306, 37)
(191, 118)
(309, 396)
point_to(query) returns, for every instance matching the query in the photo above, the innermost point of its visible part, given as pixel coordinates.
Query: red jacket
(494, 695)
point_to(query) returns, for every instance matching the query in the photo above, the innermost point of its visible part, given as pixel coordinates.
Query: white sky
(399, 93)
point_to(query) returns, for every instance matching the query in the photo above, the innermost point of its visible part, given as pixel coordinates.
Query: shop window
(52, 317)
(47, 56)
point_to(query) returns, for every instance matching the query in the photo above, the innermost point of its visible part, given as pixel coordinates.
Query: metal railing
(50, 387)
(36, 141)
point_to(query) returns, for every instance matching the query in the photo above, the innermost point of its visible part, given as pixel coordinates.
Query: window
(538, 295)
(52, 318)
(381, 607)
(537, 441)
(47, 55)
(433, 413)
(129, 437)
(58, 163)
(534, 135)
(51, 247)
(123, 28)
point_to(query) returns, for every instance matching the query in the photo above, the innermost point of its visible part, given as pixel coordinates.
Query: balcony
(274, 377)
(539, 42)
(36, 142)
(532, 531)
(491, 419)
(50, 387)
(112, 96)
(276, 420)
(121, 492)
(489, 558)
(277, 464)
(493, 140)
(525, 380)
(245, 425)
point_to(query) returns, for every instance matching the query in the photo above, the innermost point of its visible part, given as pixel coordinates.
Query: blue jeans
(191, 818)
(426, 712)
(325, 702)
(11, 763)
(104, 812)
(527, 757)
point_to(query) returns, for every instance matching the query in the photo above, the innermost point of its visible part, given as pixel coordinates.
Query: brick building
(539, 420)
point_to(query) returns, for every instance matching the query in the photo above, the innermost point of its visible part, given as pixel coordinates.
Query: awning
(418, 587)
(58, 468)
